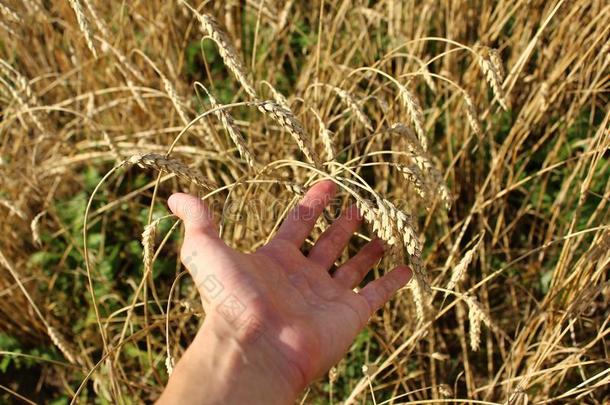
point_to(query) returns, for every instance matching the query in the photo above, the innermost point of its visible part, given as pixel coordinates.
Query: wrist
(225, 364)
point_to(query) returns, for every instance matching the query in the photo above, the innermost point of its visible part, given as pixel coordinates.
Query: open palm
(277, 296)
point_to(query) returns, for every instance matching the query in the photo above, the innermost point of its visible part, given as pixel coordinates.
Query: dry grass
(474, 137)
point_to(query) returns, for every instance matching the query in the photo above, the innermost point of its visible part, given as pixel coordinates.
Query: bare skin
(275, 319)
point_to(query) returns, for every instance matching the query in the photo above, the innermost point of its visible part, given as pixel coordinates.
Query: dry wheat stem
(418, 299)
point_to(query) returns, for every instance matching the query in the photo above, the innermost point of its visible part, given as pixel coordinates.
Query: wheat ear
(9, 13)
(96, 19)
(25, 87)
(277, 96)
(229, 125)
(472, 115)
(148, 245)
(460, 270)
(227, 51)
(287, 120)
(165, 164)
(492, 75)
(416, 113)
(354, 107)
(83, 25)
(496, 61)
(476, 316)
(412, 174)
(169, 365)
(418, 299)
(35, 228)
(60, 342)
(326, 137)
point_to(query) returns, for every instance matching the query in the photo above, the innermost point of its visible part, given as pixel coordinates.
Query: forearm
(218, 369)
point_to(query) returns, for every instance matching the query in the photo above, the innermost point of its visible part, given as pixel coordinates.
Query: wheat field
(474, 137)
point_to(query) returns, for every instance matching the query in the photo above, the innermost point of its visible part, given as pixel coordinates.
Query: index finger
(301, 220)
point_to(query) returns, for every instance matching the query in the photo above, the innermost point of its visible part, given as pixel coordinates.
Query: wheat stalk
(113, 147)
(165, 164)
(122, 60)
(286, 119)
(428, 77)
(83, 25)
(283, 16)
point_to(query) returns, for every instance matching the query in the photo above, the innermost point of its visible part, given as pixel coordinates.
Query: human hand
(275, 319)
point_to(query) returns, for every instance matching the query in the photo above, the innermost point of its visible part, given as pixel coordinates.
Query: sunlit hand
(275, 319)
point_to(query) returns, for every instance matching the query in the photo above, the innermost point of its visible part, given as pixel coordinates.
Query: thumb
(198, 219)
